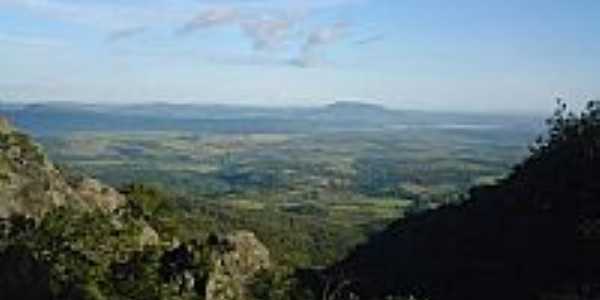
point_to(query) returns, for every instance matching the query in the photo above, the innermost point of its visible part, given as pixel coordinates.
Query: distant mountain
(357, 111)
(50, 119)
(65, 117)
(354, 106)
(534, 235)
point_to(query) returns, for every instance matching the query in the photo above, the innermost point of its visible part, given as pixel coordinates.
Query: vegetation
(71, 254)
(311, 198)
(329, 176)
(331, 189)
(178, 217)
(91, 255)
(514, 239)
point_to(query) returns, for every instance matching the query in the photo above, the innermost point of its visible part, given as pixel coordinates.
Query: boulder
(238, 258)
(95, 194)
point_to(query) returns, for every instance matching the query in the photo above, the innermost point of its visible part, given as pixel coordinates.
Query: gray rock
(237, 260)
(31, 185)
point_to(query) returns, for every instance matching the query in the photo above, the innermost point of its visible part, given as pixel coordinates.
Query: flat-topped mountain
(354, 106)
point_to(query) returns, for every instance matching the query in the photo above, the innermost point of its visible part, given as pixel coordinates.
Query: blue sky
(476, 55)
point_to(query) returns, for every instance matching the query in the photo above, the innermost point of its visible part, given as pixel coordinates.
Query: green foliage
(558, 172)
(279, 284)
(89, 256)
(144, 199)
(138, 277)
(29, 151)
(567, 128)
(159, 209)
(77, 247)
(331, 189)
(515, 239)
(309, 198)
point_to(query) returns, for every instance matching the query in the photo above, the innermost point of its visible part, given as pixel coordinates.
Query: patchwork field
(332, 175)
(358, 176)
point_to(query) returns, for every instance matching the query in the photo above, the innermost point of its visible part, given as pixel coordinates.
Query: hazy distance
(508, 56)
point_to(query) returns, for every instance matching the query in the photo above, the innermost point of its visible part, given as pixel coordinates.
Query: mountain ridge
(47, 119)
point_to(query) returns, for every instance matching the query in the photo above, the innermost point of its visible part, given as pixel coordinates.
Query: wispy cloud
(326, 35)
(126, 33)
(318, 38)
(267, 25)
(265, 30)
(211, 18)
(305, 60)
(370, 39)
(267, 33)
(118, 14)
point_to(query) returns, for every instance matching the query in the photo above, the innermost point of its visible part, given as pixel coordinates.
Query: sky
(470, 55)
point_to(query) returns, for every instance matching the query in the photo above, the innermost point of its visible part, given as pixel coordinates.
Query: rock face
(238, 258)
(5, 126)
(30, 185)
(96, 194)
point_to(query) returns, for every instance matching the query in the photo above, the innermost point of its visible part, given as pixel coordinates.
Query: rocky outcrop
(30, 185)
(237, 258)
(223, 268)
(5, 126)
(95, 194)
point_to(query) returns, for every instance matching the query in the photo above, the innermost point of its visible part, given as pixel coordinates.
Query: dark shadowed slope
(535, 235)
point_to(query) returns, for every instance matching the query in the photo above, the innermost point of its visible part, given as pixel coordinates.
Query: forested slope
(534, 235)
